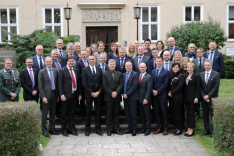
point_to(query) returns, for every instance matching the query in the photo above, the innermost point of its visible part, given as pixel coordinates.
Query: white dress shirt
(142, 76)
(208, 75)
(38, 60)
(91, 67)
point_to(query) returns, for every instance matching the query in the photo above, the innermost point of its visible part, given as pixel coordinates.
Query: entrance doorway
(105, 34)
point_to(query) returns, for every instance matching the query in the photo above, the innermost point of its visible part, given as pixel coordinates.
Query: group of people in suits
(140, 77)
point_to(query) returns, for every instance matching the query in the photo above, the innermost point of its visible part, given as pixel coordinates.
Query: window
(53, 19)
(149, 27)
(9, 22)
(193, 13)
(230, 22)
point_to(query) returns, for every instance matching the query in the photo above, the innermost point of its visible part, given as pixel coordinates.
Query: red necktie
(140, 80)
(73, 79)
(85, 63)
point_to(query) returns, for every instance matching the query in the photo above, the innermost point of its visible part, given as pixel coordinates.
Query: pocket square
(176, 77)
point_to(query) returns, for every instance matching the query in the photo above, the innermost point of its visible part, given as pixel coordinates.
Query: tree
(198, 33)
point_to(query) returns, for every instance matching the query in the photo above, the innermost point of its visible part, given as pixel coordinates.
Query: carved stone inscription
(101, 15)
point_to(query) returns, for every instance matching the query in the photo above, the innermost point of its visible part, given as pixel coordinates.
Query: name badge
(190, 79)
(176, 78)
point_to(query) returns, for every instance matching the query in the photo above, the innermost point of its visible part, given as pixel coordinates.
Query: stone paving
(124, 145)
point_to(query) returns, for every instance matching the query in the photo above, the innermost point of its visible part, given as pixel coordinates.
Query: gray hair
(191, 44)
(38, 45)
(122, 48)
(141, 46)
(29, 58)
(111, 60)
(103, 54)
(59, 40)
(54, 50)
(208, 60)
(70, 45)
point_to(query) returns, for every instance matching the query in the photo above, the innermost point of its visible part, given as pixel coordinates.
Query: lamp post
(137, 15)
(67, 14)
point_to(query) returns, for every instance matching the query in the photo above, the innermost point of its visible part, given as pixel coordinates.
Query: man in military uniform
(9, 82)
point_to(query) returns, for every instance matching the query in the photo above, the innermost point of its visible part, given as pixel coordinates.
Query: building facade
(112, 21)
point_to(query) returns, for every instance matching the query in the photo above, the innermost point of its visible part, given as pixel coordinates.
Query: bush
(199, 33)
(20, 128)
(229, 69)
(223, 125)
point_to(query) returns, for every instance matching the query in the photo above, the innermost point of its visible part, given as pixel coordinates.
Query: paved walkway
(125, 145)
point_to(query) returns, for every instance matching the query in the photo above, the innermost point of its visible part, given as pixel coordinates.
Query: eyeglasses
(192, 47)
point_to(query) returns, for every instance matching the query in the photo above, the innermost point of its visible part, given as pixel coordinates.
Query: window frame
(150, 23)
(227, 28)
(8, 24)
(52, 24)
(192, 13)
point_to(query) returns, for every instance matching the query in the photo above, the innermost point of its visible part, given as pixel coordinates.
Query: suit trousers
(112, 116)
(34, 98)
(190, 107)
(49, 107)
(145, 115)
(82, 103)
(68, 112)
(171, 111)
(97, 105)
(178, 108)
(207, 108)
(58, 107)
(161, 112)
(130, 108)
(198, 107)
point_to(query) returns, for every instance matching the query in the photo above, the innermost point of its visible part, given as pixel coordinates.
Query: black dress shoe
(172, 132)
(197, 117)
(53, 132)
(142, 131)
(87, 133)
(191, 134)
(73, 133)
(127, 132)
(206, 133)
(65, 133)
(212, 134)
(82, 116)
(179, 132)
(109, 133)
(118, 132)
(99, 132)
(185, 134)
(147, 132)
(77, 116)
(133, 133)
(45, 134)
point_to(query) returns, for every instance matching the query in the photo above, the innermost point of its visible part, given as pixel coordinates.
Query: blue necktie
(157, 71)
(52, 80)
(207, 78)
(211, 56)
(167, 67)
(125, 85)
(41, 65)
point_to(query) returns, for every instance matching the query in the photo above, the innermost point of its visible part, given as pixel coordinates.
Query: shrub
(223, 125)
(229, 69)
(20, 128)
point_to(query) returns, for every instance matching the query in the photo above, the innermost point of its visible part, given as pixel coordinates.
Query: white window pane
(49, 29)
(154, 32)
(231, 30)
(12, 15)
(145, 12)
(3, 15)
(154, 14)
(188, 15)
(231, 12)
(4, 35)
(57, 29)
(48, 16)
(197, 13)
(57, 16)
(145, 32)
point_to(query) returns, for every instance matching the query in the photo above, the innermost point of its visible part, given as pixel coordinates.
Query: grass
(225, 90)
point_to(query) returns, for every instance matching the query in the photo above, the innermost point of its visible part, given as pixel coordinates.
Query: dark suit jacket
(169, 49)
(145, 88)
(53, 65)
(197, 70)
(149, 54)
(132, 84)
(64, 60)
(218, 63)
(26, 83)
(118, 65)
(212, 88)
(80, 65)
(192, 90)
(35, 62)
(176, 86)
(65, 82)
(145, 60)
(160, 83)
(109, 85)
(91, 83)
(106, 66)
(64, 54)
(110, 55)
(44, 84)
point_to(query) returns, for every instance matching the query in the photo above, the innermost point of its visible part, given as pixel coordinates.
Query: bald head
(142, 68)
(171, 42)
(166, 56)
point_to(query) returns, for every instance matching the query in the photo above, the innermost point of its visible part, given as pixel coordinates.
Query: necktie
(61, 54)
(126, 81)
(93, 71)
(154, 64)
(41, 65)
(140, 80)
(157, 71)
(139, 61)
(167, 67)
(31, 76)
(52, 80)
(113, 75)
(73, 79)
(200, 64)
(85, 63)
(171, 51)
(121, 64)
(57, 64)
(207, 78)
(211, 56)
(103, 67)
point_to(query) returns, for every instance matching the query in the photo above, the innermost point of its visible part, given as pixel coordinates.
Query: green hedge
(223, 122)
(20, 128)
(228, 69)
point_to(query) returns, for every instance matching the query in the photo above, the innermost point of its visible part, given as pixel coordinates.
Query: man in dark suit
(154, 55)
(112, 83)
(47, 84)
(38, 60)
(59, 45)
(130, 96)
(147, 44)
(70, 49)
(160, 83)
(69, 86)
(172, 48)
(120, 62)
(144, 94)
(199, 68)
(141, 59)
(92, 82)
(167, 64)
(82, 63)
(210, 81)
(216, 57)
(29, 81)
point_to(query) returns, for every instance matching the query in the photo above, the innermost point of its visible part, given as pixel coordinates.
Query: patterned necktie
(61, 54)
(57, 64)
(140, 80)
(52, 80)
(85, 63)
(31, 76)
(73, 79)
(207, 78)
(103, 67)
(139, 61)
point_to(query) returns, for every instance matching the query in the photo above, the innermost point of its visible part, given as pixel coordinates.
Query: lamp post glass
(137, 15)
(67, 15)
